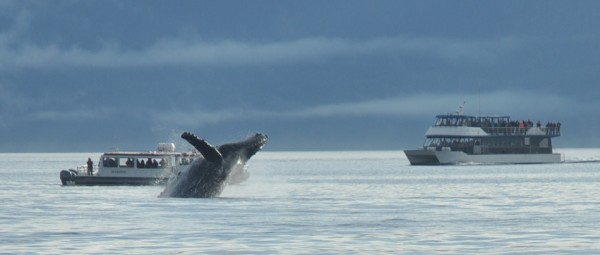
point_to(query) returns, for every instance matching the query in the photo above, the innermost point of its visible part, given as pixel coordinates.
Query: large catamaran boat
(458, 138)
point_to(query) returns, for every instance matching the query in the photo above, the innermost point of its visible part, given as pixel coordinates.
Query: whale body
(207, 176)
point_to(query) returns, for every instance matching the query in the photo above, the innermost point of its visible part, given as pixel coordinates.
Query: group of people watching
(501, 125)
(553, 128)
(149, 163)
(109, 162)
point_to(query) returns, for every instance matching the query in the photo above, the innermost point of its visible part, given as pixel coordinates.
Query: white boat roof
(150, 154)
(471, 116)
(163, 149)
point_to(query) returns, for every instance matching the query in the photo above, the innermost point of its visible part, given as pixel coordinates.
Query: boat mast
(461, 108)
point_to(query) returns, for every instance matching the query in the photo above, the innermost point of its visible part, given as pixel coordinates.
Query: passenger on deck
(141, 164)
(90, 167)
(522, 126)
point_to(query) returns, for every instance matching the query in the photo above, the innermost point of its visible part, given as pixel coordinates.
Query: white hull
(430, 157)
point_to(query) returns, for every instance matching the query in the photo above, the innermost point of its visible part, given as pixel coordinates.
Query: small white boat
(137, 168)
(458, 138)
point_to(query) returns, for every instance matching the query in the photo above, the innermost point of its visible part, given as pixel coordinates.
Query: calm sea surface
(311, 202)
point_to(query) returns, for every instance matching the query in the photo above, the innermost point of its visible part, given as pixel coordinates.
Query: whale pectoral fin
(209, 152)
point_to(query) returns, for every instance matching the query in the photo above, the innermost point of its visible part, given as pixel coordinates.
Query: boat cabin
(490, 135)
(159, 163)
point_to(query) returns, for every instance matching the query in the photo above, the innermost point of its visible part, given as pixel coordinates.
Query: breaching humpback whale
(207, 176)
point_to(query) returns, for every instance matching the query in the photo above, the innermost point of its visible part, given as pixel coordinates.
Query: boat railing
(82, 170)
(549, 131)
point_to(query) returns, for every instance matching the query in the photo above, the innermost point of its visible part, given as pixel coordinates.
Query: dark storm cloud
(90, 75)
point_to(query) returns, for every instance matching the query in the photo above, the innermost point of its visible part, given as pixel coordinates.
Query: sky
(93, 76)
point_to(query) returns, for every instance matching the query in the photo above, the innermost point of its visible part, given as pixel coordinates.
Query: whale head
(244, 149)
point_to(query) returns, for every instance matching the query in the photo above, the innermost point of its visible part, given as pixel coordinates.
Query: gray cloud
(196, 118)
(74, 114)
(166, 52)
(14, 33)
(522, 103)
(11, 100)
(514, 103)
(18, 51)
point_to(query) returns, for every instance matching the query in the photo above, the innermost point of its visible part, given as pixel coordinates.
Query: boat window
(186, 161)
(430, 142)
(125, 162)
(151, 162)
(468, 122)
(163, 163)
(458, 121)
(109, 162)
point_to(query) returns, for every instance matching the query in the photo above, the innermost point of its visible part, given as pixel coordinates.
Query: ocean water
(312, 203)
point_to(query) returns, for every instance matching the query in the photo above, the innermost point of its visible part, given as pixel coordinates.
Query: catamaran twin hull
(429, 157)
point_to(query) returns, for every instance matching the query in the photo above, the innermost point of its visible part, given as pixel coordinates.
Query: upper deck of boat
(499, 125)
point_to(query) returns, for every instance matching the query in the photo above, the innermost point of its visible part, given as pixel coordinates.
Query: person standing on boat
(90, 166)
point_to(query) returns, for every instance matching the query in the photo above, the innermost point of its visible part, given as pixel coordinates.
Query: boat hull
(72, 177)
(431, 157)
(110, 181)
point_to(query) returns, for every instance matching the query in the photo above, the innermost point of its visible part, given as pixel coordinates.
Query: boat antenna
(479, 100)
(461, 108)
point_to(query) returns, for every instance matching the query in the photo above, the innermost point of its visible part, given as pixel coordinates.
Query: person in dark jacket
(90, 167)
